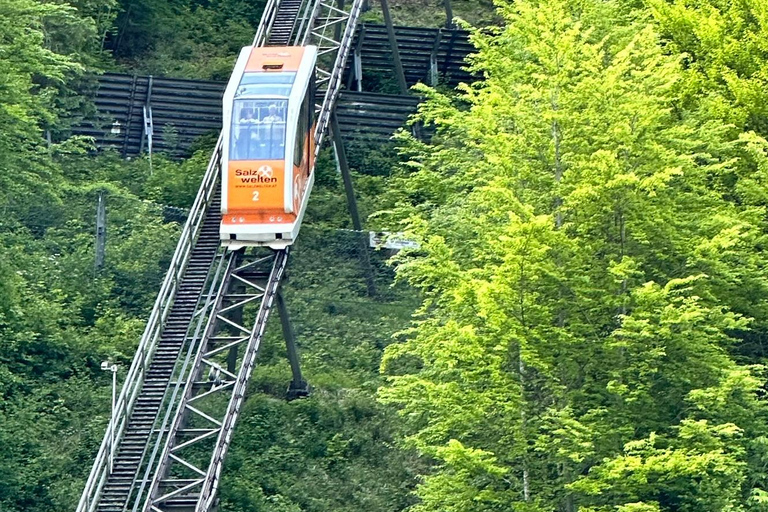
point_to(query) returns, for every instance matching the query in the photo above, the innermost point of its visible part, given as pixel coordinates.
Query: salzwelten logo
(263, 174)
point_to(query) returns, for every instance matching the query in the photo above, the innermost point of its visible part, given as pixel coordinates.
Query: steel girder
(196, 442)
(332, 29)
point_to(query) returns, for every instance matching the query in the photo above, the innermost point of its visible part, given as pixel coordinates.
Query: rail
(174, 415)
(162, 422)
(335, 76)
(267, 19)
(143, 358)
(212, 478)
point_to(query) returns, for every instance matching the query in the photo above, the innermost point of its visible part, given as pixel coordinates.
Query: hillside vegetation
(582, 327)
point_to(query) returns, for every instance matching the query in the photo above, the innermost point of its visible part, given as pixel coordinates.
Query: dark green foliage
(331, 452)
(184, 38)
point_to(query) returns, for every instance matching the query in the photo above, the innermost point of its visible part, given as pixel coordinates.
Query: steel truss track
(167, 439)
(214, 389)
(332, 30)
(204, 419)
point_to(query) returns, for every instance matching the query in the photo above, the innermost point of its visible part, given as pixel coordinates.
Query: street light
(107, 366)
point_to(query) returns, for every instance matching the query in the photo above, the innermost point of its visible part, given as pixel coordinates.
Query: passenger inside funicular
(258, 131)
(259, 140)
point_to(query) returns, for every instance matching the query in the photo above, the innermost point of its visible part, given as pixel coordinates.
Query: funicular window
(258, 129)
(306, 122)
(265, 84)
(301, 132)
(312, 98)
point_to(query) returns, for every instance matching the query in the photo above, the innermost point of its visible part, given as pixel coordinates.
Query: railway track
(174, 418)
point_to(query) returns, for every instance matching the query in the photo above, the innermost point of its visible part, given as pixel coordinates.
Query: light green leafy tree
(725, 49)
(583, 280)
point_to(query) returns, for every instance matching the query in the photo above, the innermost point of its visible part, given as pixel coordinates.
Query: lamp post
(107, 366)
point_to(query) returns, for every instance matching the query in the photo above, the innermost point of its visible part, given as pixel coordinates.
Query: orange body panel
(255, 185)
(290, 58)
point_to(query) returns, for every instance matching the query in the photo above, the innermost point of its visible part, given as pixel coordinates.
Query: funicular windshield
(258, 131)
(258, 124)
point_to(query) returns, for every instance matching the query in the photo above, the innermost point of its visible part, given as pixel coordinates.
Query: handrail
(267, 18)
(305, 18)
(334, 84)
(214, 292)
(144, 352)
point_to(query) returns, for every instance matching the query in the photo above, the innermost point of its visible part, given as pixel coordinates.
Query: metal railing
(182, 389)
(183, 369)
(149, 340)
(267, 19)
(317, 34)
(306, 13)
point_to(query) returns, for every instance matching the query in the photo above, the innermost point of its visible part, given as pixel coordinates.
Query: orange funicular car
(268, 154)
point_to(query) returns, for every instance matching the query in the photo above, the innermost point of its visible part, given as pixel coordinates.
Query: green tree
(725, 55)
(582, 280)
(186, 38)
(27, 87)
